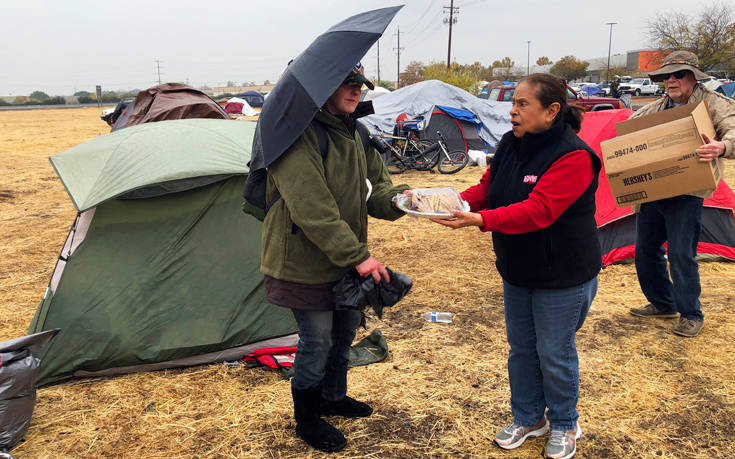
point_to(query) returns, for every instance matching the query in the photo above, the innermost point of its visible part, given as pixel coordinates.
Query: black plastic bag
(357, 292)
(20, 362)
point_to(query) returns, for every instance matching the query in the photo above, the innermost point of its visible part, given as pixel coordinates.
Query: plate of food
(432, 203)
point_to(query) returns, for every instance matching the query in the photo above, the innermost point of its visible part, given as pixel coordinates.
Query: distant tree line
(465, 76)
(470, 76)
(82, 97)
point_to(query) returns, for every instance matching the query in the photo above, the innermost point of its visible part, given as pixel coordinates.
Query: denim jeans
(323, 351)
(677, 220)
(543, 367)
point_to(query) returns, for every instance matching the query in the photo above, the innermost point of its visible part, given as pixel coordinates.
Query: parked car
(585, 84)
(639, 86)
(589, 103)
(605, 88)
(575, 86)
(502, 93)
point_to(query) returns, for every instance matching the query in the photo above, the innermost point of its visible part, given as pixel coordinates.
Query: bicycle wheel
(425, 155)
(393, 163)
(452, 162)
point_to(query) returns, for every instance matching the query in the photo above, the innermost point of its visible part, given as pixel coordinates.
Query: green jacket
(317, 231)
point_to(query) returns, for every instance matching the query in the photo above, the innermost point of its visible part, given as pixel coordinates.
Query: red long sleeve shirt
(556, 190)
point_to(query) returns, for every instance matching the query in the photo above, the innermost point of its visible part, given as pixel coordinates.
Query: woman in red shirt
(538, 200)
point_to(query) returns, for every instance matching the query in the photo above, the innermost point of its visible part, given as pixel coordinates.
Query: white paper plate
(402, 203)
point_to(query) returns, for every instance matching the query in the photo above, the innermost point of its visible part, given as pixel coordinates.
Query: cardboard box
(653, 157)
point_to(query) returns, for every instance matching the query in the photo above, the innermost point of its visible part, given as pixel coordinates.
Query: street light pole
(528, 59)
(609, 47)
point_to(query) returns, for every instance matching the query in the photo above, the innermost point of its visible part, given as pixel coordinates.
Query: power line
(473, 3)
(428, 29)
(412, 28)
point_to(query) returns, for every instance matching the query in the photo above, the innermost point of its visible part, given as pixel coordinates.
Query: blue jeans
(323, 352)
(677, 220)
(543, 367)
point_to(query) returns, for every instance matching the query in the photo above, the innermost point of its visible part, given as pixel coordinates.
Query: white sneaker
(513, 436)
(562, 444)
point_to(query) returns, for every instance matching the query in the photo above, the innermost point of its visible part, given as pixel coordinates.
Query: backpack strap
(321, 137)
(364, 135)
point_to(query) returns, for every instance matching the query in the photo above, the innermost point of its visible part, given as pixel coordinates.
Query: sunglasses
(678, 75)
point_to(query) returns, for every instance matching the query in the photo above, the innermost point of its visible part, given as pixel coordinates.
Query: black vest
(565, 254)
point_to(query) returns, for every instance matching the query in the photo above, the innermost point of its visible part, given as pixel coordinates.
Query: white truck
(638, 86)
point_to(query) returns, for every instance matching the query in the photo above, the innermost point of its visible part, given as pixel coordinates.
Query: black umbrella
(310, 79)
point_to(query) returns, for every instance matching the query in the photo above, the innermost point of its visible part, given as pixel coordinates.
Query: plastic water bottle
(442, 317)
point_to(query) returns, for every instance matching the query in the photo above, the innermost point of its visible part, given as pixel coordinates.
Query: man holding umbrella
(315, 230)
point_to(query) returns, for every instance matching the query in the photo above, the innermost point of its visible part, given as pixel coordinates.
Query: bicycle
(409, 153)
(447, 162)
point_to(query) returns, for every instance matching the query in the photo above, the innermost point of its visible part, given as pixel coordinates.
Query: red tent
(617, 226)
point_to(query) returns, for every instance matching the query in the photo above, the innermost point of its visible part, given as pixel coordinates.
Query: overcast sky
(63, 46)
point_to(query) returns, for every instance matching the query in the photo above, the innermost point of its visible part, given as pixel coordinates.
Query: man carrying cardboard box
(678, 220)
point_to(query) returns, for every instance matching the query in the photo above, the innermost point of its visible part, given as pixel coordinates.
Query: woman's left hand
(461, 220)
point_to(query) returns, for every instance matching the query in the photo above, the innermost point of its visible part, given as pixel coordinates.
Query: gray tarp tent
(420, 98)
(161, 267)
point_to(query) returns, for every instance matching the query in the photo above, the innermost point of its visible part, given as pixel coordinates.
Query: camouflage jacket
(722, 111)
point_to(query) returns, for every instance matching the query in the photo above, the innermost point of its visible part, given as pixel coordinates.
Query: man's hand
(371, 266)
(461, 220)
(406, 193)
(711, 149)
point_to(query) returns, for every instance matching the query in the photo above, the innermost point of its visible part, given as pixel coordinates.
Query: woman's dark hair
(550, 89)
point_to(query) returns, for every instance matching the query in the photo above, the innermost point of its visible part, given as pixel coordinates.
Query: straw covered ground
(443, 392)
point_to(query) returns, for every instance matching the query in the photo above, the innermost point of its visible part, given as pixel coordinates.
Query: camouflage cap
(357, 75)
(678, 60)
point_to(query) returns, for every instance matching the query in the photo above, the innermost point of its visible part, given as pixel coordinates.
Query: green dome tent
(161, 268)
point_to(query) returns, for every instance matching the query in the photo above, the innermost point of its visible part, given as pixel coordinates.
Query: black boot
(309, 426)
(347, 407)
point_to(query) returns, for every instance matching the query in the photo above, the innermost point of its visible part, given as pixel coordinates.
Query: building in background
(646, 60)
(597, 70)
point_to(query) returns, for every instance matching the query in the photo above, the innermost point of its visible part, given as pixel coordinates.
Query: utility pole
(528, 59)
(452, 20)
(158, 66)
(609, 47)
(398, 71)
(378, 61)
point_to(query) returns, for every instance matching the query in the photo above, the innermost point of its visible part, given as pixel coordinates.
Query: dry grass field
(443, 392)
